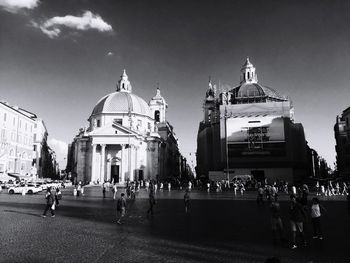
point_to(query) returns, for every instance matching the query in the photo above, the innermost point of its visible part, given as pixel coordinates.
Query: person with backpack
(121, 208)
(50, 201)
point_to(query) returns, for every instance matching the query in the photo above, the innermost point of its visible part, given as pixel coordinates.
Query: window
(139, 123)
(14, 121)
(98, 123)
(26, 126)
(4, 116)
(119, 121)
(2, 133)
(157, 116)
(149, 125)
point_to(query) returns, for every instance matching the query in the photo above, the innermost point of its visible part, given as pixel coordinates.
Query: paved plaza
(219, 228)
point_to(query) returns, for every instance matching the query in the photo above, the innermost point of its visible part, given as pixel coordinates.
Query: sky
(58, 58)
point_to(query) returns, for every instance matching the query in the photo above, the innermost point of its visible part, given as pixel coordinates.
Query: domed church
(127, 139)
(250, 130)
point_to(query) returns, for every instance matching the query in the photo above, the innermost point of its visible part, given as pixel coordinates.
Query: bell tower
(158, 107)
(209, 103)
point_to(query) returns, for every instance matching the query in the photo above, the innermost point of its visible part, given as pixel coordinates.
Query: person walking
(260, 198)
(187, 201)
(115, 190)
(58, 196)
(104, 190)
(49, 203)
(151, 201)
(276, 221)
(121, 208)
(316, 218)
(297, 216)
(345, 189)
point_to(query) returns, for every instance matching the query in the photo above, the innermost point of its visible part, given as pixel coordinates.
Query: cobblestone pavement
(219, 228)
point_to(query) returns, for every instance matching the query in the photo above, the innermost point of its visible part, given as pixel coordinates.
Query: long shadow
(220, 225)
(23, 213)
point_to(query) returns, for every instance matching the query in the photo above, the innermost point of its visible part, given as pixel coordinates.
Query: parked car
(29, 189)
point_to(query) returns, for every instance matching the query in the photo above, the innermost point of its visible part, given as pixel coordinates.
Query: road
(219, 228)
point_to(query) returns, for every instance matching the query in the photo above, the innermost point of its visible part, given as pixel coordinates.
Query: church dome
(122, 102)
(247, 90)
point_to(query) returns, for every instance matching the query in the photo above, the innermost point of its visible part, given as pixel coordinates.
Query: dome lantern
(248, 73)
(123, 84)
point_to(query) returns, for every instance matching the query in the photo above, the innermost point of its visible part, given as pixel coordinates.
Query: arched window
(157, 115)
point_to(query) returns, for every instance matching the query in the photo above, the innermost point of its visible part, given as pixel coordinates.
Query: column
(103, 163)
(93, 160)
(123, 165)
(136, 174)
(132, 163)
(129, 161)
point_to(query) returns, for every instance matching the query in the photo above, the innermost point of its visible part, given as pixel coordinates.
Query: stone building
(22, 137)
(342, 147)
(127, 139)
(250, 130)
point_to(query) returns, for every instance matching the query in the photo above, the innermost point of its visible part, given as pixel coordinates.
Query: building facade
(127, 139)
(342, 139)
(250, 130)
(22, 137)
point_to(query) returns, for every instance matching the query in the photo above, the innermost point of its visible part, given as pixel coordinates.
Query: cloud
(52, 27)
(15, 5)
(61, 150)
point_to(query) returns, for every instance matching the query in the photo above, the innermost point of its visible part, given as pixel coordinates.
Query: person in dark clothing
(276, 221)
(58, 196)
(152, 202)
(49, 202)
(187, 201)
(104, 190)
(121, 208)
(297, 216)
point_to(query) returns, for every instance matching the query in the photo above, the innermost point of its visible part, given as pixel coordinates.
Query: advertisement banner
(255, 131)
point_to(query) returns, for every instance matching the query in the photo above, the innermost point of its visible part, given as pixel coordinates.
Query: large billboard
(255, 131)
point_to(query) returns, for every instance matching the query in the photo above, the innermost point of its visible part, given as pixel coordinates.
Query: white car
(29, 189)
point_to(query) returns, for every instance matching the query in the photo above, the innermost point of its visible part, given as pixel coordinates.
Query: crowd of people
(301, 210)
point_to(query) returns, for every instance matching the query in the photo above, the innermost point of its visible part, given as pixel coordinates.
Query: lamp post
(226, 146)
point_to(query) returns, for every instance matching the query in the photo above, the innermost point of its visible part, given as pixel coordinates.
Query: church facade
(250, 130)
(127, 139)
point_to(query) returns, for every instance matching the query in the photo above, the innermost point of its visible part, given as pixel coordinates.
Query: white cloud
(15, 5)
(61, 150)
(52, 27)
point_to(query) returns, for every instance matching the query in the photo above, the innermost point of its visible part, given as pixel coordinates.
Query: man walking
(151, 201)
(121, 208)
(49, 202)
(187, 201)
(297, 216)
